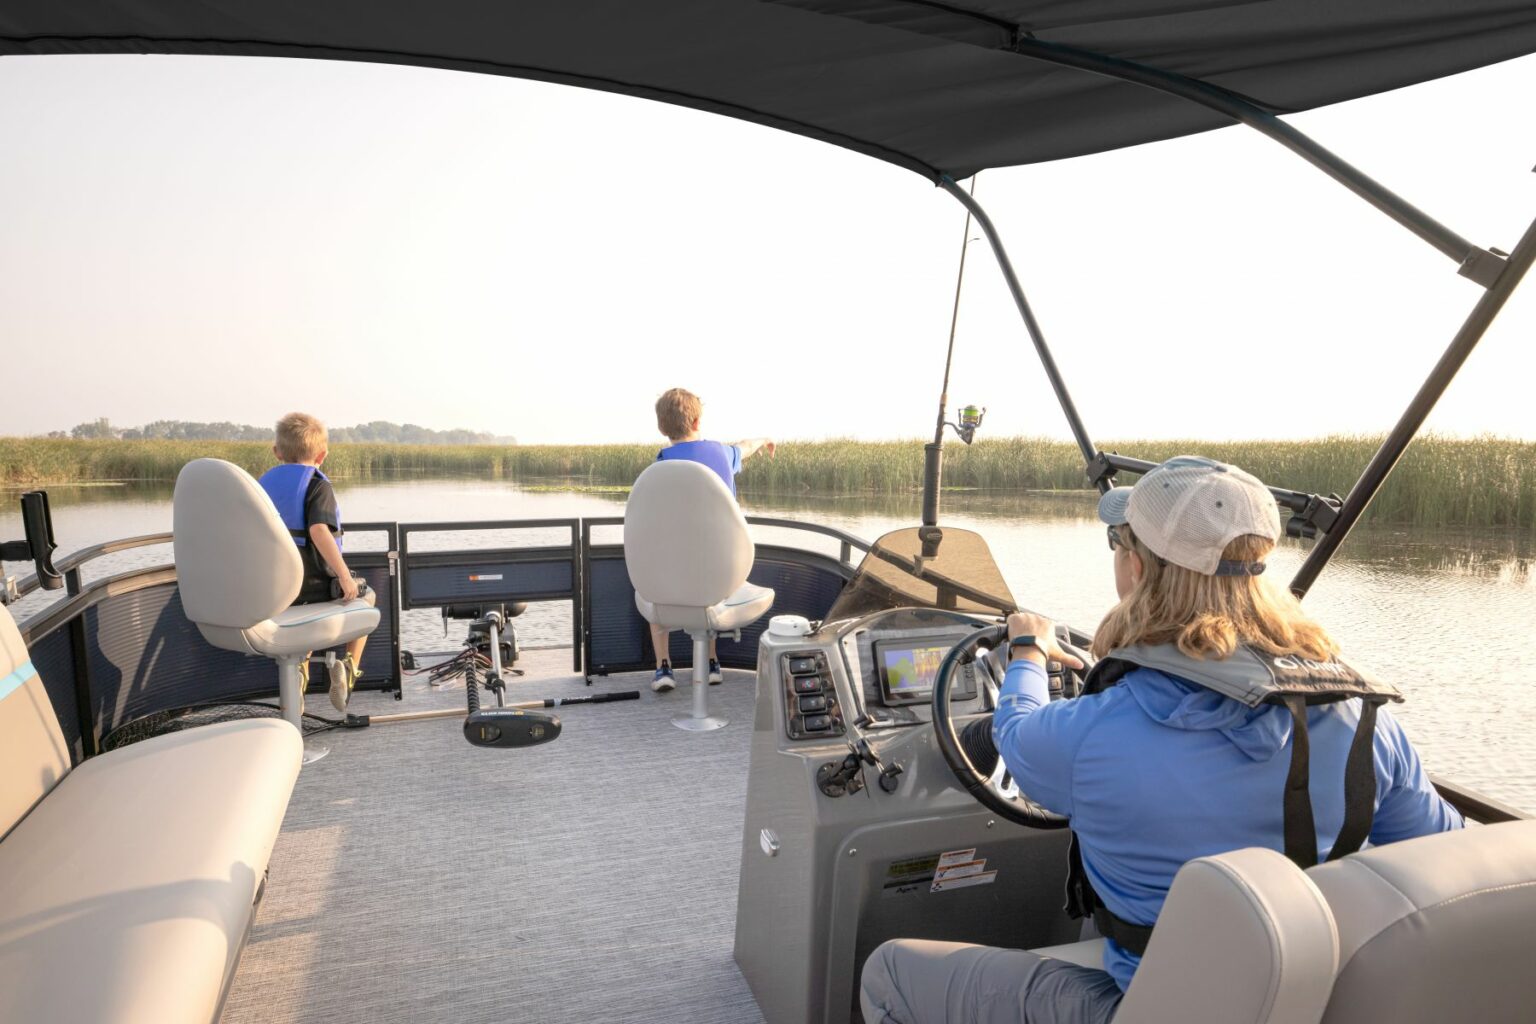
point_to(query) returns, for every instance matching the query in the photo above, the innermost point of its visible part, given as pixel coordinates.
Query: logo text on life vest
(1291, 664)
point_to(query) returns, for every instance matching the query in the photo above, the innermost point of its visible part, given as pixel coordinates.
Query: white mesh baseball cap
(1188, 509)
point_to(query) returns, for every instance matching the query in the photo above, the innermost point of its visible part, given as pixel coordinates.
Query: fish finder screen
(907, 672)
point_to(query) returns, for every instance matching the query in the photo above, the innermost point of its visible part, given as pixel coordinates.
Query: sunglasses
(1116, 541)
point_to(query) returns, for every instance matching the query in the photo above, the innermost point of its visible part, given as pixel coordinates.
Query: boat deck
(592, 878)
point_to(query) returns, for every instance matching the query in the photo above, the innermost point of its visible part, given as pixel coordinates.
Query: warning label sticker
(946, 884)
(953, 869)
(974, 867)
(485, 577)
(960, 869)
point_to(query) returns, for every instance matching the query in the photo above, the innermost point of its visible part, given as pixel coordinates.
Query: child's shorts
(326, 588)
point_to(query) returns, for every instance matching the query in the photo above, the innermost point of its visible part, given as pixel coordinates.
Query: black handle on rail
(38, 548)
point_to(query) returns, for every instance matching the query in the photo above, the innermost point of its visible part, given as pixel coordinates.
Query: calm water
(1451, 618)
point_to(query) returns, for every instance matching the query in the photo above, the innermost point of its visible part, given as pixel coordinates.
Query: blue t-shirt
(724, 459)
(1157, 771)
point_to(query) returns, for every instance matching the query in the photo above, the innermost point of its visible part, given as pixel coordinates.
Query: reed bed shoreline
(1467, 482)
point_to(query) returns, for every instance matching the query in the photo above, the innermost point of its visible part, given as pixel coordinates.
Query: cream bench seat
(1244, 938)
(128, 883)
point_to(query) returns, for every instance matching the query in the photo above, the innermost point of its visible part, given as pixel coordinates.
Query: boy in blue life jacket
(307, 503)
(678, 412)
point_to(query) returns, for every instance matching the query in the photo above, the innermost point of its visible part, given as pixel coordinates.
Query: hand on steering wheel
(1031, 624)
(995, 790)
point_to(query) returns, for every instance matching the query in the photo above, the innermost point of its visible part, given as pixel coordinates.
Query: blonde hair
(300, 437)
(676, 410)
(1209, 616)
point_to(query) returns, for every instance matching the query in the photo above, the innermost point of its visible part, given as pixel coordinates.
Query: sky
(225, 238)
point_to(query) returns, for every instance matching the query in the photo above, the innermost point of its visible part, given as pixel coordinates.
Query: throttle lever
(888, 773)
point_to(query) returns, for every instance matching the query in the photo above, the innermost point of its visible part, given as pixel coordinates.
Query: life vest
(1255, 678)
(287, 484)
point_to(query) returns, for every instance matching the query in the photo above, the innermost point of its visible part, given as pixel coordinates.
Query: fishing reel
(970, 422)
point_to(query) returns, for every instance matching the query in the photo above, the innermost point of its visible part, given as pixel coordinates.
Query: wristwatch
(1030, 640)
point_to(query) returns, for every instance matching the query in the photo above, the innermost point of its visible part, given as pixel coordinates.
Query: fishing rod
(970, 416)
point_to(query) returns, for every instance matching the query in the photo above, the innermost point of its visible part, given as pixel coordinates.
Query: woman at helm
(1160, 766)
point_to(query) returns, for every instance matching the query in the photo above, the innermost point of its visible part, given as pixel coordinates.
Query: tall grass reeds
(1477, 483)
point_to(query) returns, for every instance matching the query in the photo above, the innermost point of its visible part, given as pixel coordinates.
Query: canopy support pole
(1472, 330)
(1074, 421)
(1480, 265)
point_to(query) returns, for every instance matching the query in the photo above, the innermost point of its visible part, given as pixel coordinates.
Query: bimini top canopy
(942, 88)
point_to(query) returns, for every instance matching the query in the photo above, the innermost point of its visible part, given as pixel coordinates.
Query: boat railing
(119, 648)
(69, 566)
(475, 576)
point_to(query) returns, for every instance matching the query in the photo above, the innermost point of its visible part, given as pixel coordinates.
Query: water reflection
(1445, 614)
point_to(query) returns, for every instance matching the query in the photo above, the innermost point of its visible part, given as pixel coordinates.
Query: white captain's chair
(688, 552)
(239, 570)
(1244, 938)
(1436, 929)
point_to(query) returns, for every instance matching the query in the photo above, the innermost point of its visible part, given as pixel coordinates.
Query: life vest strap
(1083, 902)
(1359, 784)
(1300, 829)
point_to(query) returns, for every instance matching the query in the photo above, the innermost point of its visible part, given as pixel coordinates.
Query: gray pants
(916, 981)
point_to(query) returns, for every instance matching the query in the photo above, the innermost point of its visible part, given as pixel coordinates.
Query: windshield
(926, 567)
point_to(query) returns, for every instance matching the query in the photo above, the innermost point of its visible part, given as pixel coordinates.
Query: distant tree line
(376, 432)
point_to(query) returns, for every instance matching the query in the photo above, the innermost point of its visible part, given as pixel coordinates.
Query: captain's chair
(688, 552)
(1436, 929)
(1243, 938)
(239, 570)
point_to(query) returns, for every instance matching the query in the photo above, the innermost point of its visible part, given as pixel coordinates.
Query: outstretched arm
(752, 445)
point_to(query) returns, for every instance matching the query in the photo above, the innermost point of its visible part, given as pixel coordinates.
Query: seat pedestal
(290, 698)
(700, 720)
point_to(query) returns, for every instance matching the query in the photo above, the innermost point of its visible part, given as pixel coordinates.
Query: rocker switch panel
(811, 709)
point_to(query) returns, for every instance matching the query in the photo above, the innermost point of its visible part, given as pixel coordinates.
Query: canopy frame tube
(1478, 264)
(1324, 517)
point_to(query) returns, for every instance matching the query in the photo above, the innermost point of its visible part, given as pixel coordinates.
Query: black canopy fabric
(934, 87)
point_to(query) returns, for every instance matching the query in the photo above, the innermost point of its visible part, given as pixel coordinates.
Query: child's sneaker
(663, 681)
(715, 678)
(343, 678)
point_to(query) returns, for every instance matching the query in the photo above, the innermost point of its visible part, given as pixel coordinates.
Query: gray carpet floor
(418, 878)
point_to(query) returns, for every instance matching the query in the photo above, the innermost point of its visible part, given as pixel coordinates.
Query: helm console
(856, 830)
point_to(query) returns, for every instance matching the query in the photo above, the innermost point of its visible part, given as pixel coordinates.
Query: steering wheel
(997, 791)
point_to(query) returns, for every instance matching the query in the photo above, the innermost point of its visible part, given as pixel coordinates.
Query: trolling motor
(489, 648)
(38, 548)
(483, 619)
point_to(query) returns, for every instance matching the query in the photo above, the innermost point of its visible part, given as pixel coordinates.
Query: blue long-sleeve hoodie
(1157, 771)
